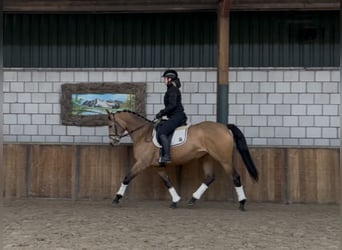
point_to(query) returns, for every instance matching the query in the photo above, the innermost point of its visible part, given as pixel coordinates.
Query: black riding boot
(165, 151)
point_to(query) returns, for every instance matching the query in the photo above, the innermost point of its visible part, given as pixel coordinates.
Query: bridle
(116, 137)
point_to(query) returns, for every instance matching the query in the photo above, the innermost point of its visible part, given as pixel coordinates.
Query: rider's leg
(166, 129)
(165, 143)
(164, 132)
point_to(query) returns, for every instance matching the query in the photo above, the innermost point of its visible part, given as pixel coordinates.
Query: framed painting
(85, 104)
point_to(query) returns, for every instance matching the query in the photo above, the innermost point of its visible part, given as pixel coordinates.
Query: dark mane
(134, 113)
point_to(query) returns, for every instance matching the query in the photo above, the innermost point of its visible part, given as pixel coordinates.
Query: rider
(174, 111)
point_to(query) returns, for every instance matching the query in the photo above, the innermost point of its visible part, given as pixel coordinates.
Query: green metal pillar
(222, 103)
(223, 60)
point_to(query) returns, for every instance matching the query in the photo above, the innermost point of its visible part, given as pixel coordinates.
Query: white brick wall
(295, 107)
(273, 107)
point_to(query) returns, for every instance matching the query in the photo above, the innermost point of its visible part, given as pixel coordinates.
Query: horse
(207, 141)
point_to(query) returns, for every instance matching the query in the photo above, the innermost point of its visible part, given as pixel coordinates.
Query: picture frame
(85, 104)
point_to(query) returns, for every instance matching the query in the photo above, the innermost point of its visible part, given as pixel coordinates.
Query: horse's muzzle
(114, 140)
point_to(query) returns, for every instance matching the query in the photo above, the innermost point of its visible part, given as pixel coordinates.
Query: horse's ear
(110, 114)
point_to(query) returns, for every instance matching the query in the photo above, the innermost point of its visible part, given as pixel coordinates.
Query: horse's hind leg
(175, 197)
(239, 190)
(208, 167)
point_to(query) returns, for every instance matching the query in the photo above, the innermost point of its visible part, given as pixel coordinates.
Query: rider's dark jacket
(174, 110)
(173, 100)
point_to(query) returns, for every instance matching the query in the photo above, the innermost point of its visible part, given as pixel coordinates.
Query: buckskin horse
(207, 141)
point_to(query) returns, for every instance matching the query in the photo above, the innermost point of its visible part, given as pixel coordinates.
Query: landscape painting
(95, 104)
(85, 104)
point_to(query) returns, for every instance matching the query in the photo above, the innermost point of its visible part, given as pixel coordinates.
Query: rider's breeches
(169, 126)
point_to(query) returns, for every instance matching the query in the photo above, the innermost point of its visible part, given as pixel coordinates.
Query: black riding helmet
(171, 74)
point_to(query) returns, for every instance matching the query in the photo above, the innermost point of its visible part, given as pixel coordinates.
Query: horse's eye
(110, 126)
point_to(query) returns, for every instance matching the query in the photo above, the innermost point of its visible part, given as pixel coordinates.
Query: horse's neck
(137, 128)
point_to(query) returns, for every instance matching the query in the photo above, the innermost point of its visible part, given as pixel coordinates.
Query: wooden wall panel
(101, 170)
(14, 170)
(286, 175)
(192, 177)
(148, 185)
(328, 162)
(186, 179)
(51, 171)
(313, 175)
(270, 163)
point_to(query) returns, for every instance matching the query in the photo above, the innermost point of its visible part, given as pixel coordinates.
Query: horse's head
(126, 123)
(116, 128)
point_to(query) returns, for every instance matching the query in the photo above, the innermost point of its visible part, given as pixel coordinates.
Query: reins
(129, 132)
(136, 129)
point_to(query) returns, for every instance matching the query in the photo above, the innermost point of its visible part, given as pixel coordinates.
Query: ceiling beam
(163, 5)
(268, 5)
(106, 6)
(226, 7)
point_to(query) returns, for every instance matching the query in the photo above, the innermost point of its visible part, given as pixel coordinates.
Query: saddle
(178, 138)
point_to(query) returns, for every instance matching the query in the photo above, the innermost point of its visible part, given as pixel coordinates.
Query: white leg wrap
(240, 193)
(197, 195)
(174, 195)
(122, 189)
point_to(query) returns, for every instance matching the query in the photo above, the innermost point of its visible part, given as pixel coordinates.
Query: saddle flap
(179, 136)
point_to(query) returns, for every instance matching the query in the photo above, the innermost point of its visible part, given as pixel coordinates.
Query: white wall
(273, 106)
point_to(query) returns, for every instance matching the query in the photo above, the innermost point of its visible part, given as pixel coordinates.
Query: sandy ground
(91, 225)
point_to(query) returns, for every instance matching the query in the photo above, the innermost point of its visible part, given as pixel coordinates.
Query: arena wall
(290, 117)
(286, 175)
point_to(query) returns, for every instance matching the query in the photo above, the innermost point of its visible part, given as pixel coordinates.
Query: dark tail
(241, 144)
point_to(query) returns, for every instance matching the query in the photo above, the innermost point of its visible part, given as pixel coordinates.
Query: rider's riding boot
(165, 156)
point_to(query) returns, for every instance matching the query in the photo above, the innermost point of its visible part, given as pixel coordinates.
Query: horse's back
(209, 126)
(209, 138)
(210, 130)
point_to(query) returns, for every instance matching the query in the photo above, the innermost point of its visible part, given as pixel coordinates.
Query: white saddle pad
(178, 138)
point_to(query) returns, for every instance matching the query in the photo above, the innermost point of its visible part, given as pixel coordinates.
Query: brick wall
(273, 106)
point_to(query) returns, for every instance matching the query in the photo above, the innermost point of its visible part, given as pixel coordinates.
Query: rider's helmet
(170, 73)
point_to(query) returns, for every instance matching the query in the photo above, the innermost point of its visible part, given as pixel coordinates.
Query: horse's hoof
(192, 201)
(242, 205)
(173, 205)
(116, 200)
(115, 203)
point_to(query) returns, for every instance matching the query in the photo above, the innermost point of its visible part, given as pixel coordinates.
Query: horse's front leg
(175, 197)
(136, 169)
(123, 187)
